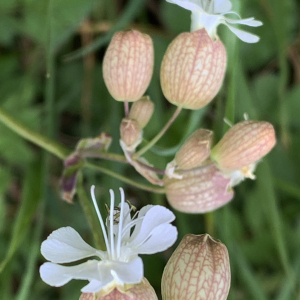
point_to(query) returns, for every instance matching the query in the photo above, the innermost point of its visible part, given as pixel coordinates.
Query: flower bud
(195, 150)
(193, 69)
(131, 134)
(199, 269)
(141, 291)
(128, 65)
(199, 191)
(244, 144)
(142, 111)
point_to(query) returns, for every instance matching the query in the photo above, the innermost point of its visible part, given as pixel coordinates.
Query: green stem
(159, 135)
(33, 136)
(209, 223)
(125, 179)
(88, 211)
(61, 152)
(103, 155)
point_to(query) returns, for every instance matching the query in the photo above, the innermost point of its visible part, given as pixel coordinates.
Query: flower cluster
(200, 178)
(212, 173)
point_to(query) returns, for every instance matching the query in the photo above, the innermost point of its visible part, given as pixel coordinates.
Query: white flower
(148, 232)
(209, 14)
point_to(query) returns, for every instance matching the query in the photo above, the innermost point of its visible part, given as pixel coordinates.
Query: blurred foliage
(261, 226)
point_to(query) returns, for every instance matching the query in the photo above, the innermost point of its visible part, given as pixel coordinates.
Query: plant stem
(159, 135)
(126, 108)
(103, 155)
(209, 223)
(125, 179)
(62, 152)
(33, 136)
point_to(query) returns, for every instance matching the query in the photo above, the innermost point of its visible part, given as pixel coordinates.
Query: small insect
(117, 211)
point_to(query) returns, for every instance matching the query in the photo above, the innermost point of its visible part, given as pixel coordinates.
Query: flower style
(147, 232)
(209, 14)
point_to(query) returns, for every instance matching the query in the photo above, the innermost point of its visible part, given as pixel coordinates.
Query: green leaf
(265, 95)
(268, 198)
(293, 104)
(247, 275)
(30, 200)
(65, 18)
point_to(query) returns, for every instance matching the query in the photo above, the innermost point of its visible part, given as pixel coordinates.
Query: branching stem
(159, 135)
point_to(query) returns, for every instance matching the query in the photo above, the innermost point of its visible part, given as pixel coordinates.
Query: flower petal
(131, 272)
(244, 35)
(153, 216)
(160, 239)
(222, 6)
(66, 245)
(249, 22)
(189, 5)
(94, 286)
(56, 275)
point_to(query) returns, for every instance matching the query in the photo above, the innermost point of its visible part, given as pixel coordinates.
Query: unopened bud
(199, 269)
(193, 69)
(141, 291)
(195, 150)
(131, 133)
(243, 144)
(199, 191)
(142, 110)
(128, 65)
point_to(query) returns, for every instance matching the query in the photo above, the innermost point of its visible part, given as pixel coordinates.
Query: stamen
(130, 225)
(100, 219)
(120, 222)
(111, 222)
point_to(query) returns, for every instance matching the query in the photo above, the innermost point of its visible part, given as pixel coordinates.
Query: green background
(260, 227)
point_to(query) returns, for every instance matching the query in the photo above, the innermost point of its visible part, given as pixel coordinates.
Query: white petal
(93, 287)
(153, 217)
(250, 22)
(222, 6)
(161, 238)
(131, 272)
(56, 275)
(186, 4)
(66, 245)
(244, 35)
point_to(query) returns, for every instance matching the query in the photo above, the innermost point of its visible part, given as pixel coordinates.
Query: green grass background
(67, 39)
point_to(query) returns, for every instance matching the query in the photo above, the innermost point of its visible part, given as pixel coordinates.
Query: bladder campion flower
(199, 269)
(199, 190)
(241, 148)
(128, 65)
(193, 69)
(209, 14)
(147, 232)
